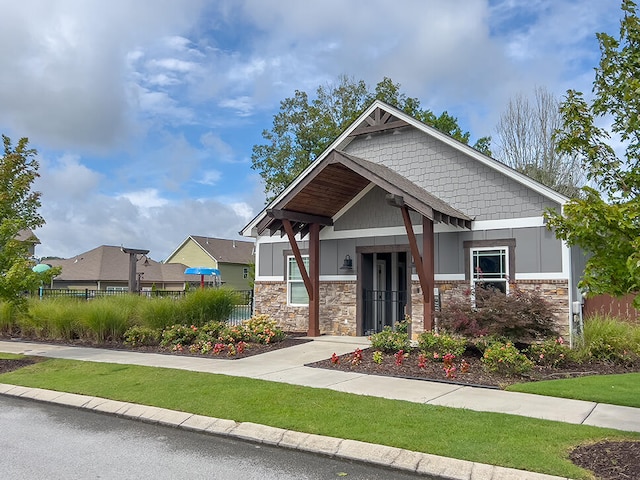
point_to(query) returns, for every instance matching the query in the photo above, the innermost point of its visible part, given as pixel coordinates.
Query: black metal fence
(88, 294)
(241, 312)
(382, 308)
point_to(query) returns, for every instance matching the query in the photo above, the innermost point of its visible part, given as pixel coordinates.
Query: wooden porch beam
(429, 272)
(296, 253)
(299, 217)
(423, 263)
(413, 244)
(314, 273)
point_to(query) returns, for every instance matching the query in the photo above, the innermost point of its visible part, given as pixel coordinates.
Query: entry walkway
(287, 366)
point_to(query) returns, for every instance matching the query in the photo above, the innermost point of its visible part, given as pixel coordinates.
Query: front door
(383, 286)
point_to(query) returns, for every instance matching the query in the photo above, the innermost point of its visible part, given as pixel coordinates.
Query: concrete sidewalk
(287, 366)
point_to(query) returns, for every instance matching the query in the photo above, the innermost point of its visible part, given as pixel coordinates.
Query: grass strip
(623, 389)
(10, 356)
(506, 440)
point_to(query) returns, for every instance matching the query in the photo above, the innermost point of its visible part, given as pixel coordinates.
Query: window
(245, 272)
(489, 266)
(117, 289)
(490, 269)
(296, 291)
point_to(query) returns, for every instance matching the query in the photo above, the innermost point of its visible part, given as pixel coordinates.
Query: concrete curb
(390, 457)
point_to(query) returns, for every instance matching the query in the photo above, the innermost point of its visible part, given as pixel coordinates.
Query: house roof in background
(110, 263)
(222, 250)
(27, 235)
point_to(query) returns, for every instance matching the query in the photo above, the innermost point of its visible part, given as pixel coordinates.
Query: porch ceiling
(337, 180)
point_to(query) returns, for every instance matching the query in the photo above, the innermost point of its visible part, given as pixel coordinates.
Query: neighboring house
(28, 237)
(107, 268)
(397, 217)
(234, 258)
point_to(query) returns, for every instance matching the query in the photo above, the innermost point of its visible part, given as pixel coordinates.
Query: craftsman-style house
(394, 219)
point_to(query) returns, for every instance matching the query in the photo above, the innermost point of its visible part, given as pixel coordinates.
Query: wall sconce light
(347, 264)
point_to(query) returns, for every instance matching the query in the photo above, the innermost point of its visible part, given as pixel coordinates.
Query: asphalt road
(43, 441)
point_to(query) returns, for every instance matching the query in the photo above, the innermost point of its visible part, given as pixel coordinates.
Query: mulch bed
(476, 376)
(607, 460)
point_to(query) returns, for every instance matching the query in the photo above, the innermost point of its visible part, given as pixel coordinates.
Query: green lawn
(615, 389)
(506, 440)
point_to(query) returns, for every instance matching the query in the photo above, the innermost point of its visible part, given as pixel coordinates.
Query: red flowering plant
(335, 359)
(356, 358)
(400, 355)
(422, 361)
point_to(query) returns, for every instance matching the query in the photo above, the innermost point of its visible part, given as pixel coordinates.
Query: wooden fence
(607, 305)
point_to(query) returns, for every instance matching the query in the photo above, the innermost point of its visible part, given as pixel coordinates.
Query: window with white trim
(490, 268)
(296, 291)
(117, 289)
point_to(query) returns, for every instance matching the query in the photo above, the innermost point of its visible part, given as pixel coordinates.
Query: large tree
(606, 222)
(525, 141)
(18, 211)
(304, 128)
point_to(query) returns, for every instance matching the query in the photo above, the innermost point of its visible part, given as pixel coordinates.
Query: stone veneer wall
(337, 307)
(555, 292)
(338, 304)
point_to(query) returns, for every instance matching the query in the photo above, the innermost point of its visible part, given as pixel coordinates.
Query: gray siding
(372, 211)
(461, 181)
(537, 251)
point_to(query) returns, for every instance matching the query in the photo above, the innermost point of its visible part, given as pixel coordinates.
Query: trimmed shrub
(138, 336)
(177, 335)
(390, 341)
(551, 353)
(505, 359)
(436, 345)
(262, 329)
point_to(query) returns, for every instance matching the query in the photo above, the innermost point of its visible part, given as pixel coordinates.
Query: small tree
(18, 211)
(606, 222)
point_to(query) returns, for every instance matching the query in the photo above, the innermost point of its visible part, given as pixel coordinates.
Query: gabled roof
(377, 118)
(222, 250)
(110, 263)
(27, 235)
(339, 178)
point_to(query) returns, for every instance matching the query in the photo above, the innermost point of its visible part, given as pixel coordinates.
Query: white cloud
(210, 177)
(145, 199)
(242, 105)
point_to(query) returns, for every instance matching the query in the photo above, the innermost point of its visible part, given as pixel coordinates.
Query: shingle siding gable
(463, 182)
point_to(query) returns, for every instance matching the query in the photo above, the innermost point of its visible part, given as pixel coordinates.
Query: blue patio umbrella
(202, 271)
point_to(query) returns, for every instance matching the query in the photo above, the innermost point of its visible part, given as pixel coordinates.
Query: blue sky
(144, 113)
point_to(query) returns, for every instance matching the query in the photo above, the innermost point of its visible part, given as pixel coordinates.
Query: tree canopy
(18, 211)
(525, 141)
(304, 128)
(606, 222)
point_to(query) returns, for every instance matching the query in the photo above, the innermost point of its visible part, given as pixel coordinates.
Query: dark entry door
(384, 290)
